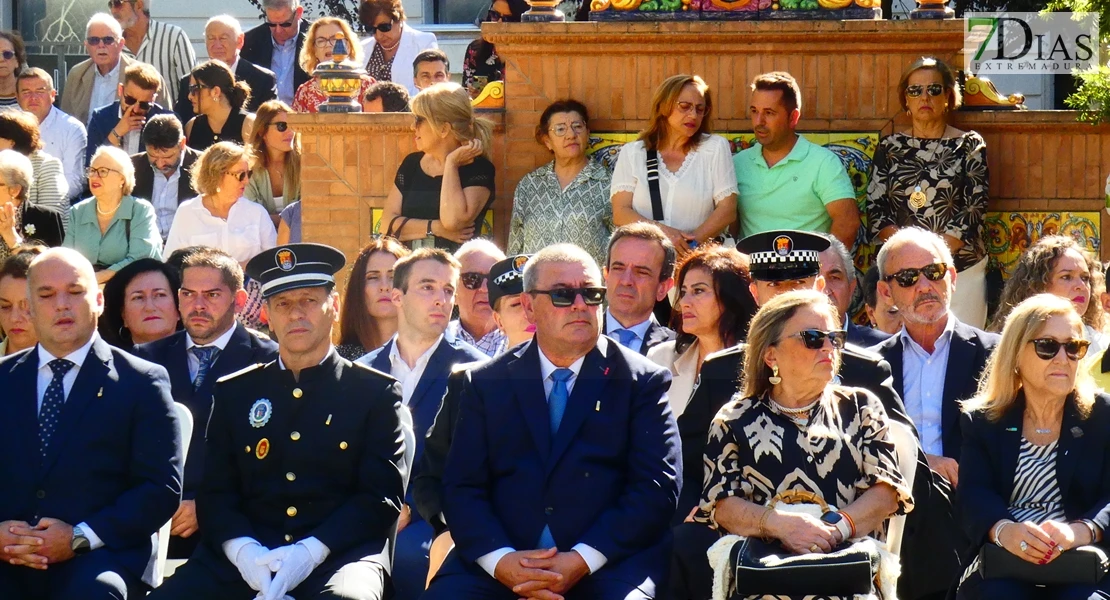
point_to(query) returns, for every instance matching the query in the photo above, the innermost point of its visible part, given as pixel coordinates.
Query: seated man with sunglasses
(421, 357)
(120, 124)
(564, 468)
(475, 324)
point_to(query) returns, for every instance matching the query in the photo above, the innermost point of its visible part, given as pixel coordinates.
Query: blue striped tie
(206, 355)
(556, 406)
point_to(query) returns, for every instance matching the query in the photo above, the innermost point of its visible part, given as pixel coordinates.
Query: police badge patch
(260, 413)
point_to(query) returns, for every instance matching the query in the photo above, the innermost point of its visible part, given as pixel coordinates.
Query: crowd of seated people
(653, 363)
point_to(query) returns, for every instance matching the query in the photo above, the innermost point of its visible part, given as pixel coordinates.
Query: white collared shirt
(640, 329)
(164, 198)
(105, 88)
(129, 143)
(65, 137)
(923, 377)
(194, 362)
(409, 376)
(247, 231)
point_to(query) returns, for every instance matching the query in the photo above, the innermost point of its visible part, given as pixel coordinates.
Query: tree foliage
(1092, 97)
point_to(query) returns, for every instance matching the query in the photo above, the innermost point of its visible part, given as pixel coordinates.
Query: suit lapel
(177, 363)
(90, 380)
(895, 359)
(436, 369)
(653, 336)
(1067, 452)
(588, 387)
(528, 388)
(25, 402)
(381, 361)
(184, 191)
(960, 370)
(1009, 445)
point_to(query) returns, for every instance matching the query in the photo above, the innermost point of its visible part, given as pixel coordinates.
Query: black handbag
(762, 568)
(1084, 564)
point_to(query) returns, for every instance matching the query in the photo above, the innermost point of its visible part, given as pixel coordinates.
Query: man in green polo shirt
(785, 181)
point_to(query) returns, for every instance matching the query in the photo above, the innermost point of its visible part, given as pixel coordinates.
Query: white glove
(255, 574)
(291, 565)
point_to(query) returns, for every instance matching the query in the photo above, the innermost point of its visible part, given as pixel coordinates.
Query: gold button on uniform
(342, 445)
(288, 538)
(291, 511)
(296, 435)
(290, 476)
(248, 449)
(297, 393)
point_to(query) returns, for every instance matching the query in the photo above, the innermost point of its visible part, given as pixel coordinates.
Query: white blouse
(247, 231)
(689, 196)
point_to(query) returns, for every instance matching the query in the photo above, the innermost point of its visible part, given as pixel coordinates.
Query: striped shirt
(50, 188)
(169, 50)
(1036, 495)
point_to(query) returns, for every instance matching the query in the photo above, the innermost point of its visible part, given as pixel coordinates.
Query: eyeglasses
(934, 89)
(240, 175)
(578, 127)
(196, 88)
(383, 28)
(1048, 348)
(699, 109)
(814, 339)
(908, 277)
(473, 281)
(100, 172)
(129, 100)
(7, 54)
(107, 40)
(564, 297)
(119, 3)
(324, 42)
(281, 126)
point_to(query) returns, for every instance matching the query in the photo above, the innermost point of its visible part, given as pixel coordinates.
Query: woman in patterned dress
(319, 43)
(792, 428)
(934, 176)
(1035, 462)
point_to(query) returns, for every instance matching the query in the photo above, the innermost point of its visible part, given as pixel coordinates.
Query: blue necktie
(206, 355)
(626, 337)
(556, 406)
(52, 402)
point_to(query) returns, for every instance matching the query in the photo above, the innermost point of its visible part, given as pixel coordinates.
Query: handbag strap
(653, 185)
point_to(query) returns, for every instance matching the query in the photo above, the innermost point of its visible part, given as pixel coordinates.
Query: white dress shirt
(45, 376)
(165, 200)
(640, 329)
(247, 231)
(194, 362)
(923, 385)
(409, 376)
(65, 137)
(105, 88)
(594, 559)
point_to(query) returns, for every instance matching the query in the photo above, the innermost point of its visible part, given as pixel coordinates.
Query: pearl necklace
(106, 213)
(394, 46)
(795, 411)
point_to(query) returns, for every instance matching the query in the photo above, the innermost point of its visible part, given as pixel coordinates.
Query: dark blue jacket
(103, 119)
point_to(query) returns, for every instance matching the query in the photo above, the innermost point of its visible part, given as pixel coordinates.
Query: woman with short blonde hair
(21, 221)
(319, 44)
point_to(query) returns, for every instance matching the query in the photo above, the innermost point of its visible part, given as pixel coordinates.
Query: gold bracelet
(763, 522)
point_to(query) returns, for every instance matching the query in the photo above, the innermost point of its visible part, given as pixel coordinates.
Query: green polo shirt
(793, 193)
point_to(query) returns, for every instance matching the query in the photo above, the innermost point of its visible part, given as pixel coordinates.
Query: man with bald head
(92, 459)
(223, 37)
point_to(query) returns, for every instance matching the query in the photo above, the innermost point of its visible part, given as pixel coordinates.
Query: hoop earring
(774, 379)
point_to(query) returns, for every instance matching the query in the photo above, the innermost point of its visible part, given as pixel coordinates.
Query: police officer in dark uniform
(305, 472)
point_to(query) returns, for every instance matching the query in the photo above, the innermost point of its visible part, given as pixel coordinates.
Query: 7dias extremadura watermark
(1018, 43)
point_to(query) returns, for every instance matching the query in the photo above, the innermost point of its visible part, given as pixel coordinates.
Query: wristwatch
(79, 544)
(429, 227)
(835, 518)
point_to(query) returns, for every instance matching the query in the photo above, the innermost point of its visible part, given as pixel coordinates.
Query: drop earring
(774, 378)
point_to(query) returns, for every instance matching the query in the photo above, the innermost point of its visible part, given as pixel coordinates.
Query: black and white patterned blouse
(1036, 495)
(545, 213)
(378, 67)
(952, 175)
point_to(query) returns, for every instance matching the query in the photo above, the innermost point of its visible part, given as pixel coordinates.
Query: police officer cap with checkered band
(783, 255)
(295, 266)
(506, 278)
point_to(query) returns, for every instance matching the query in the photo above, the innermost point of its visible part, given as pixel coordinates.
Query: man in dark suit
(639, 273)
(564, 467)
(212, 345)
(420, 356)
(167, 161)
(92, 458)
(223, 37)
(276, 45)
(839, 273)
(120, 123)
(305, 468)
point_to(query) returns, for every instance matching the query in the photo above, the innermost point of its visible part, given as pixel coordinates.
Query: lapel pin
(100, 393)
(597, 407)
(328, 422)
(262, 449)
(1076, 432)
(606, 371)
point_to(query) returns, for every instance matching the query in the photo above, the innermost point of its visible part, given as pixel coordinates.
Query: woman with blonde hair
(318, 47)
(696, 181)
(275, 180)
(442, 190)
(218, 101)
(1035, 462)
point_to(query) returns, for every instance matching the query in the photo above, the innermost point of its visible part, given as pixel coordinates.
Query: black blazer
(656, 334)
(966, 358)
(990, 455)
(41, 224)
(144, 176)
(258, 48)
(865, 337)
(261, 80)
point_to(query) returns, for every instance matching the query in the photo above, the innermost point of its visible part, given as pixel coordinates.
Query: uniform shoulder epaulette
(240, 372)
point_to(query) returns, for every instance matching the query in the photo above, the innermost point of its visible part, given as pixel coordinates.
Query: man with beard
(162, 172)
(212, 345)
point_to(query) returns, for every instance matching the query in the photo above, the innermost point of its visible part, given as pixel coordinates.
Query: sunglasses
(107, 40)
(383, 28)
(196, 88)
(284, 25)
(564, 297)
(7, 54)
(814, 339)
(908, 277)
(240, 175)
(129, 100)
(934, 89)
(100, 172)
(495, 17)
(281, 126)
(1048, 348)
(473, 281)
(119, 3)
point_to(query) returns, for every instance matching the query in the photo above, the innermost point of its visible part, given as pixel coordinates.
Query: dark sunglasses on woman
(814, 339)
(908, 277)
(473, 281)
(240, 175)
(564, 297)
(8, 54)
(495, 17)
(281, 126)
(934, 89)
(383, 28)
(1048, 348)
